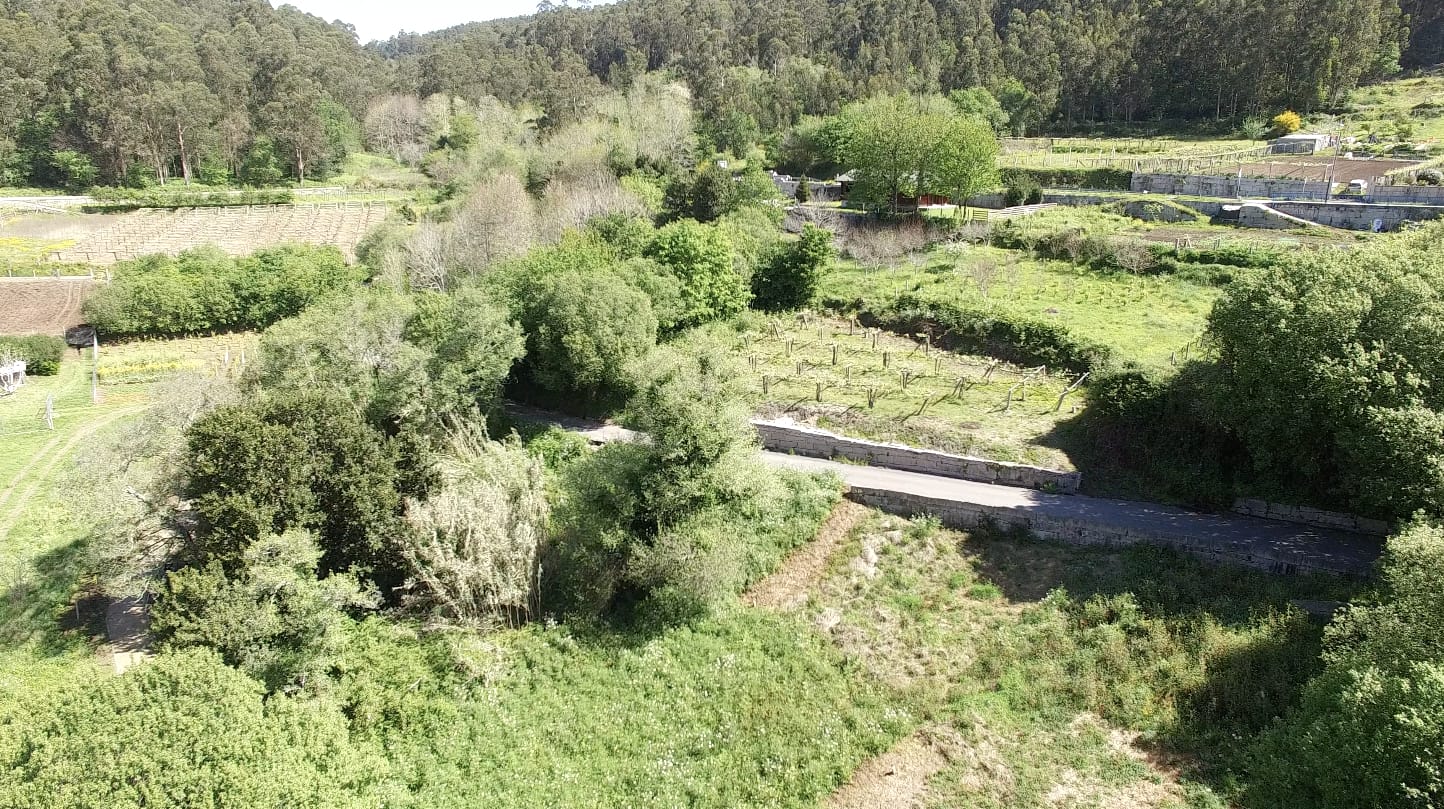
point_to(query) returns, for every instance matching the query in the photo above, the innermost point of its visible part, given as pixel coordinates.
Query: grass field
(892, 388)
(1051, 675)
(1146, 319)
(1420, 101)
(50, 620)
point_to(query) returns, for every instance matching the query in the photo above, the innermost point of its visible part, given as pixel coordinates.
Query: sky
(380, 19)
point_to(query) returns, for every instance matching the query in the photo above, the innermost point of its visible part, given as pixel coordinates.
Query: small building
(12, 376)
(1301, 143)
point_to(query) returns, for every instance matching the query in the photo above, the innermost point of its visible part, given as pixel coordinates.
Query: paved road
(1218, 535)
(1339, 551)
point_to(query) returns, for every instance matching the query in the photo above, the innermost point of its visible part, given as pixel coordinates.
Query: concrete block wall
(1199, 185)
(1358, 216)
(1084, 532)
(787, 436)
(1303, 515)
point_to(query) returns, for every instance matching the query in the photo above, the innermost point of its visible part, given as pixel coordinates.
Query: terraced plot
(238, 231)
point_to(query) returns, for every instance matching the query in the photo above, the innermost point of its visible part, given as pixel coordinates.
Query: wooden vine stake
(834, 353)
(886, 358)
(1070, 389)
(819, 391)
(789, 346)
(766, 384)
(871, 397)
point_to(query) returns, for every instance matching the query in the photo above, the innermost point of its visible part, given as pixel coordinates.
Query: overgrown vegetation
(204, 290)
(40, 353)
(366, 589)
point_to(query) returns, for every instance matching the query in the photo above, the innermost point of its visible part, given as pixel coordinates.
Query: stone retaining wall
(1083, 532)
(1233, 187)
(784, 435)
(1303, 515)
(1357, 216)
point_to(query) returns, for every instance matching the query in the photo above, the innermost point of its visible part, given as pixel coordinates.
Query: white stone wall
(787, 436)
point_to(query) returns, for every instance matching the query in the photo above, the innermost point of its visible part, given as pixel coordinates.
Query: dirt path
(52, 458)
(787, 587)
(897, 779)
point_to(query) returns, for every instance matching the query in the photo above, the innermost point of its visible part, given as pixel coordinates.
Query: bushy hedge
(1104, 253)
(1010, 337)
(1092, 179)
(205, 290)
(127, 199)
(42, 353)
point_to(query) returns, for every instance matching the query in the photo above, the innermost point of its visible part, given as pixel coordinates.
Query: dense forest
(140, 92)
(226, 91)
(1064, 60)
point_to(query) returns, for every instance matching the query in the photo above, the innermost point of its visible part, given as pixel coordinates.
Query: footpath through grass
(50, 618)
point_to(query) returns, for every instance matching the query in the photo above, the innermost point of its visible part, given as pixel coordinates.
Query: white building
(12, 376)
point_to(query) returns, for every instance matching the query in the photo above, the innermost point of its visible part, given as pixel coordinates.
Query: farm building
(1300, 143)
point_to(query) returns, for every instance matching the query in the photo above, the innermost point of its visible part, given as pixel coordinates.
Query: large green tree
(1331, 371)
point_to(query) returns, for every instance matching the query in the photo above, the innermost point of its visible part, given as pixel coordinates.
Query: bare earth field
(41, 305)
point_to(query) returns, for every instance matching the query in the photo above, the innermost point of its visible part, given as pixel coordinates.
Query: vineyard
(878, 385)
(238, 230)
(1148, 155)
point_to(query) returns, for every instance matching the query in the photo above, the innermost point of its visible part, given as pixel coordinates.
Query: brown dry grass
(898, 778)
(788, 587)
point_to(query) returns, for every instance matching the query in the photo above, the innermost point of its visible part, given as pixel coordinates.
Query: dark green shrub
(1022, 189)
(1006, 336)
(1089, 179)
(297, 461)
(42, 353)
(204, 290)
(788, 278)
(128, 199)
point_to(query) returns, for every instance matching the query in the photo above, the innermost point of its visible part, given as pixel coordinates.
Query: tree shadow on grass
(1165, 582)
(1249, 679)
(50, 606)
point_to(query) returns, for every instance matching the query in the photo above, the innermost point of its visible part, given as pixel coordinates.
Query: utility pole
(95, 369)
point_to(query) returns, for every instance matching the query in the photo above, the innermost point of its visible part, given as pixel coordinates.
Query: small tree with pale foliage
(472, 550)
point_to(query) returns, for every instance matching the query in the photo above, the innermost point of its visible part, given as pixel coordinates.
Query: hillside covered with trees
(234, 91)
(135, 93)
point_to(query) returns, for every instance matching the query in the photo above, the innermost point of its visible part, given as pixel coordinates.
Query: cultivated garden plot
(1132, 154)
(872, 384)
(41, 306)
(238, 231)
